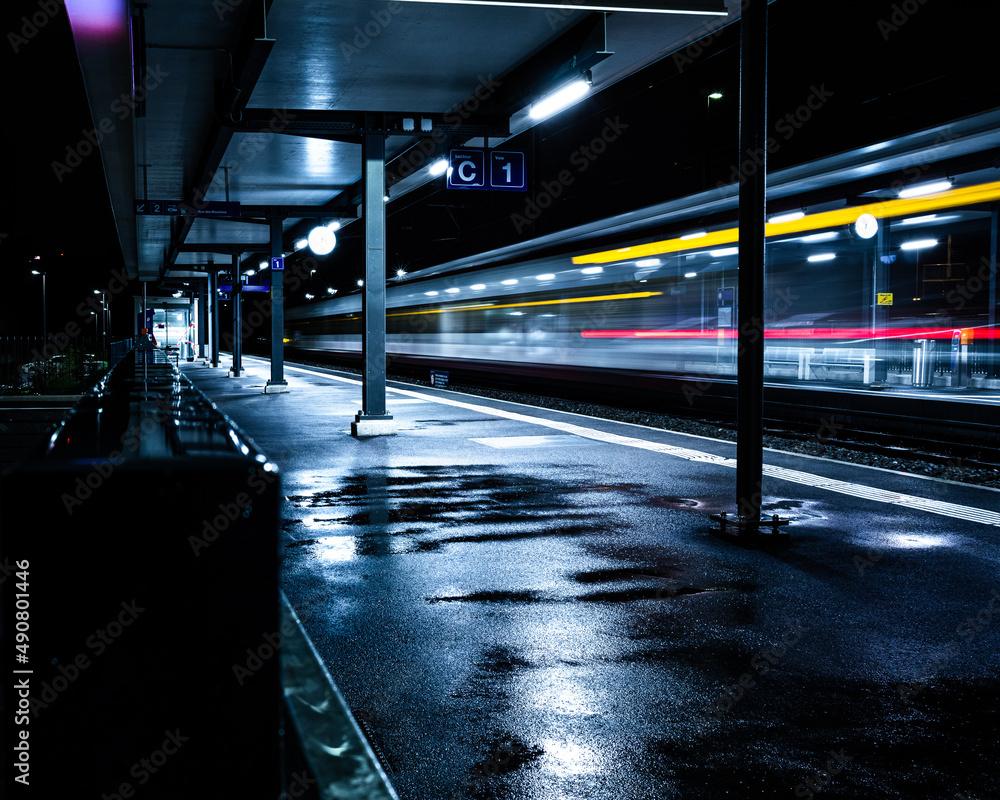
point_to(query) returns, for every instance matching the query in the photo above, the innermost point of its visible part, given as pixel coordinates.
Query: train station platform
(524, 603)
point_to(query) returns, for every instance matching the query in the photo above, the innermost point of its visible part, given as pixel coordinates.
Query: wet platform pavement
(524, 603)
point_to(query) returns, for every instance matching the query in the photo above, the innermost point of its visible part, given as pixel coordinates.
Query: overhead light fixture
(400, 273)
(360, 282)
(330, 290)
(322, 240)
(690, 274)
(563, 97)
(592, 270)
(646, 6)
(648, 262)
(715, 96)
(385, 198)
(452, 290)
(918, 244)
(431, 294)
(333, 225)
(509, 282)
(309, 296)
(262, 265)
(250, 272)
(548, 276)
(791, 216)
(478, 286)
(822, 257)
(925, 188)
(439, 167)
(725, 251)
(301, 243)
(697, 235)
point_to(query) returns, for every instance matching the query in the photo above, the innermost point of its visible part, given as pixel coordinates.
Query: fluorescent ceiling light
(918, 244)
(592, 270)
(509, 282)
(517, 313)
(697, 235)
(452, 290)
(822, 257)
(725, 251)
(789, 217)
(820, 237)
(925, 188)
(648, 262)
(439, 167)
(548, 276)
(560, 99)
(431, 294)
(645, 6)
(478, 286)
(301, 243)
(690, 274)
(322, 240)
(249, 272)
(334, 225)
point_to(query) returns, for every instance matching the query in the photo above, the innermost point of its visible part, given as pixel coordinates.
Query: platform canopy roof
(175, 87)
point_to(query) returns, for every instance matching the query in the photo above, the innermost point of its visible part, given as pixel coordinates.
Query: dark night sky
(936, 67)
(68, 223)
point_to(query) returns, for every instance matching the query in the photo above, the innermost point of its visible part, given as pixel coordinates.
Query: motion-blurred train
(880, 271)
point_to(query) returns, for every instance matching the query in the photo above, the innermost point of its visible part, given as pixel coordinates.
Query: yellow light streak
(883, 209)
(629, 296)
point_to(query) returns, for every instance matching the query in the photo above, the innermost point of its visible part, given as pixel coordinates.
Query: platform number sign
(507, 171)
(471, 168)
(467, 169)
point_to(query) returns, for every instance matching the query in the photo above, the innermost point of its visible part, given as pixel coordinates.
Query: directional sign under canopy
(476, 168)
(507, 171)
(202, 209)
(467, 169)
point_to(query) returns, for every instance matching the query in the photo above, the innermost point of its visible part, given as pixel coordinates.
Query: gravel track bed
(825, 448)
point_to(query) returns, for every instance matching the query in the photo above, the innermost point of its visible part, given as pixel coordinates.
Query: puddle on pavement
(489, 597)
(422, 503)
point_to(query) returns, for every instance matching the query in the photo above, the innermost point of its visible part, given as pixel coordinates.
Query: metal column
(752, 217)
(993, 349)
(202, 317)
(880, 269)
(373, 417)
(237, 321)
(213, 291)
(277, 383)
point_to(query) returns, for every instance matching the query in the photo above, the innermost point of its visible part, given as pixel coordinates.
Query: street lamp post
(45, 323)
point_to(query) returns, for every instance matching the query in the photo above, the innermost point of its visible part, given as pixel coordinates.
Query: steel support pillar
(277, 384)
(202, 317)
(880, 269)
(237, 321)
(373, 419)
(213, 291)
(993, 348)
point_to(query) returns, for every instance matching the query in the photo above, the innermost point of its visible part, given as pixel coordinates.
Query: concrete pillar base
(373, 426)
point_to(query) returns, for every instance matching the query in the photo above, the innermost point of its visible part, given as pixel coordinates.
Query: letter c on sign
(461, 171)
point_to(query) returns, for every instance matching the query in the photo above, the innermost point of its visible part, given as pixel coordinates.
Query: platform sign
(176, 207)
(278, 263)
(467, 169)
(507, 171)
(885, 298)
(439, 378)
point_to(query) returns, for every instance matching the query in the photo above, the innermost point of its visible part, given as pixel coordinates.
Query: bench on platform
(843, 363)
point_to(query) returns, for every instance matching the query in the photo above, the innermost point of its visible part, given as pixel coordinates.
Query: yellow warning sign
(885, 299)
